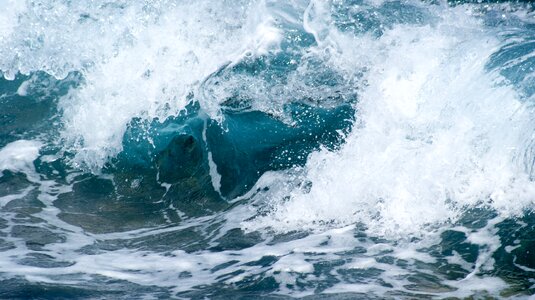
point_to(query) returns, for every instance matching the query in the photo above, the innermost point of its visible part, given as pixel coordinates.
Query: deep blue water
(338, 149)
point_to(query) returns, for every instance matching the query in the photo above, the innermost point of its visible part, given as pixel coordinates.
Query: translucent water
(318, 149)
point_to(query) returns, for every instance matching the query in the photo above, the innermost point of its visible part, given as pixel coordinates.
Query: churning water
(262, 148)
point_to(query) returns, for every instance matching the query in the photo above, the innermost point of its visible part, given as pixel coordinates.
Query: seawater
(340, 149)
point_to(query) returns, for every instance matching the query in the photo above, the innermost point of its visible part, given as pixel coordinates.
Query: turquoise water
(275, 149)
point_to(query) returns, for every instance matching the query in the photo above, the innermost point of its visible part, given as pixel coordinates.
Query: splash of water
(166, 110)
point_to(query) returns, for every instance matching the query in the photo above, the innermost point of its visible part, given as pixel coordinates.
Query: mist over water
(277, 149)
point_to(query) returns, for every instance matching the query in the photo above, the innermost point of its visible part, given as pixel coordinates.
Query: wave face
(280, 149)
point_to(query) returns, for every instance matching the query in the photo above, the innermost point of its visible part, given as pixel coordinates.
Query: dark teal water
(273, 149)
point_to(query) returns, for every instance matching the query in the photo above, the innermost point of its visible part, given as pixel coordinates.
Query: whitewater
(339, 149)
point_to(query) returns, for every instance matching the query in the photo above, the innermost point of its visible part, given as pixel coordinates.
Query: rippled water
(322, 149)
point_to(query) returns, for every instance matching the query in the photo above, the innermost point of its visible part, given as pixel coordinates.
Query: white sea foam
(153, 77)
(18, 156)
(436, 133)
(8, 19)
(6, 199)
(137, 59)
